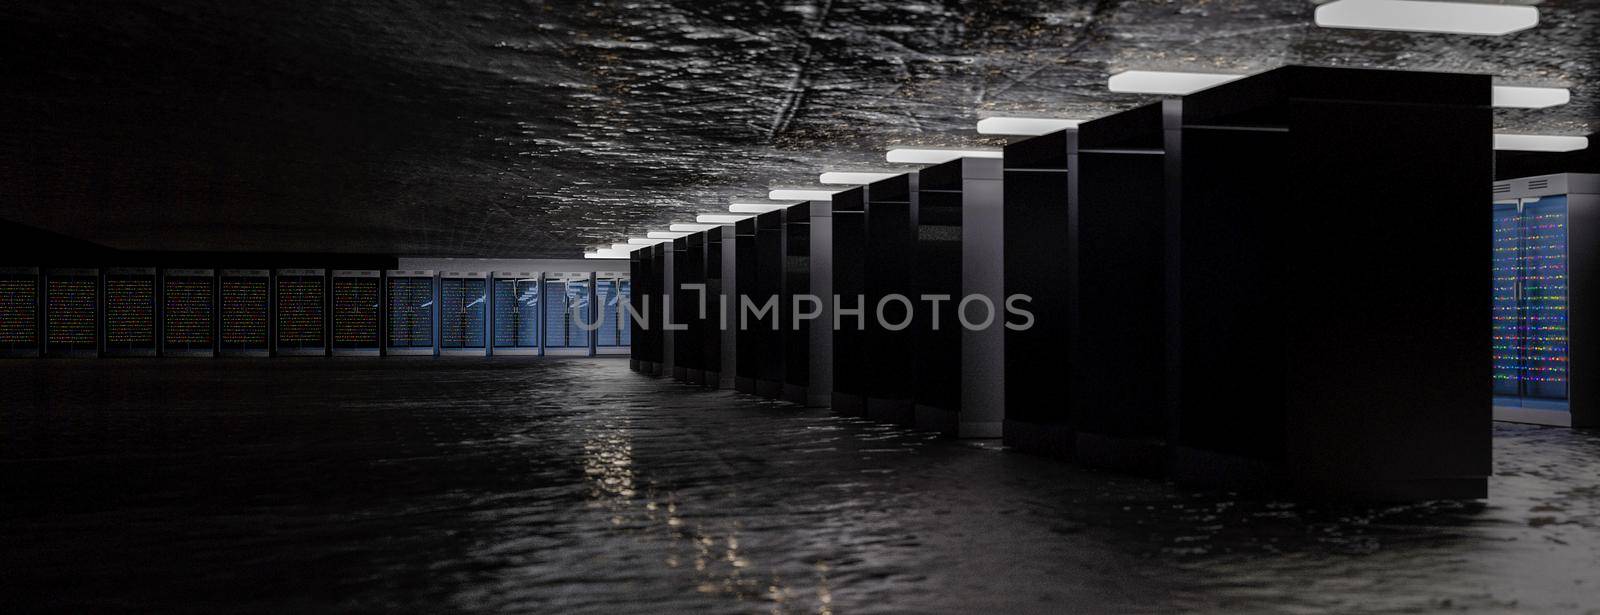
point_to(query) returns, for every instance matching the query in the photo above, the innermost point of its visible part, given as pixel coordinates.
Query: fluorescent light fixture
(801, 195)
(718, 219)
(665, 235)
(606, 254)
(643, 241)
(1418, 16)
(622, 247)
(1540, 143)
(1158, 82)
(1024, 126)
(754, 208)
(1529, 98)
(691, 228)
(853, 178)
(937, 156)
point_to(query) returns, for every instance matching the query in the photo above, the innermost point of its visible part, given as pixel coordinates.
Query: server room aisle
(578, 486)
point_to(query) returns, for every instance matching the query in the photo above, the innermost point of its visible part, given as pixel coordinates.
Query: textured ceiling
(533, 129)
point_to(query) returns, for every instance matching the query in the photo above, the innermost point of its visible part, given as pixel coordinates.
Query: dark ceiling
(523, 128)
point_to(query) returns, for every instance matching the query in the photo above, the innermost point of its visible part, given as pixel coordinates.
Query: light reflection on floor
(578, 486)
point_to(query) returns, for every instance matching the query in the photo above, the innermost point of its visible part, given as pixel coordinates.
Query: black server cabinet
(301, 301)
(188, 313)
(796, 332)
(820, 389)
(20, 311)
(1117, 343)
(768, 297)
(1039, 221)
(711, 331)
(688, 267)
(1335, 350)
(1546, 264)
(410, 325)
(515, 301)
(658, 306)
(849, 222)
(748, 337)
(357, 320)
(891, 220)
(641, 294)
(244, 309)
(71, 312)
(958, 347)
(936, 345)
(128, 311)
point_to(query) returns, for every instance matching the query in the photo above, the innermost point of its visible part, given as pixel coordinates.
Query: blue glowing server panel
(19, 312)
(1544, 258)
(411, 298)
(463, 313)
(568, 317)
(515, 300)
(611, 294)
(244, 312)
(357, 300)
(301, 302)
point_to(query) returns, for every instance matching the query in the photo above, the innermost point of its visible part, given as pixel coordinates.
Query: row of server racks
(1199, 289)
(148, 312)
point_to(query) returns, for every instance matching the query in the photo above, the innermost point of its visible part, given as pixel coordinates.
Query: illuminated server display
(611, 295)
(19, 312)
(357, 297)
(411, 300)
(567, 313)
(463, 308)
(302, 307)
(129, 312)
(188, 312)
(244, 308)
(71, 312)
(1546, 230)
(516, 312)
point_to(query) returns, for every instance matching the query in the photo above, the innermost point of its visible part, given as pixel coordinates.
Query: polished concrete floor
(577, 486)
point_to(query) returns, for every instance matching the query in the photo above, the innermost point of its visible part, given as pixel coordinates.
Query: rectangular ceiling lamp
(691, 228)
(643, 241)
(939, 156)
(608, 254)
(801, 195)
(1166, 83)
(1517, 97)
(1428, 16)
(754, 208)
(853, 178)
(665, 235)
(1540, 143)
(717, 219)
(1024, 126)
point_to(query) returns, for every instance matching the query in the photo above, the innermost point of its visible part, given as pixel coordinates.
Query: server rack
(849, 256)
(357, 322)
(1039, 223)
(819, 391)
(129, 323)
(612, 293)
(637, 270)
(891, 218)
(1546, 258)
(658, 272)
(1362, 386)
(188, 313)
(463, 313)
(712, 328)
(20, 311)
(936, 332)
(244, 309)
(728, 335)
(688, 270)
(769, 291)
(569, 313)
(300, 297)
(515, 299)
(1118, 292)
(748, 337)
(71, 312)
(796, 282)
(412, 298)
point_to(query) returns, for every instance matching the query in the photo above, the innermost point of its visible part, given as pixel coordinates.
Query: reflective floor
(578, 486)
